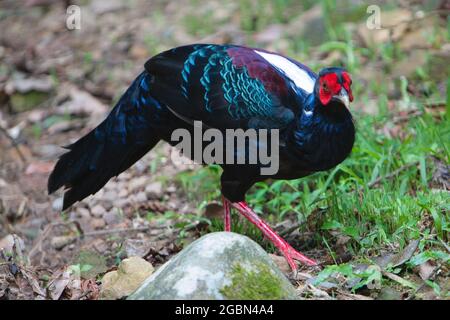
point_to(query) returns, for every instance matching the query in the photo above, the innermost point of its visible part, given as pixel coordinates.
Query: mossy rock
(220, 265)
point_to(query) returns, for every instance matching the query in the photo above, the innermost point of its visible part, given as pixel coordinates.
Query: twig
(415, 113)
(392, 174)
(412, 113)
(352, 296)
(444, 244)
(14, 144)
(102, 232)
(44, 234)
(399, 280)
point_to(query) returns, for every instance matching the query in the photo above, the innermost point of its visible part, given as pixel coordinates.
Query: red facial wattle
(347, 84)
(329, 86)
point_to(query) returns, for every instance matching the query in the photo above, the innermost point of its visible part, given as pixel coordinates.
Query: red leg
(287, 250)
(227, 214)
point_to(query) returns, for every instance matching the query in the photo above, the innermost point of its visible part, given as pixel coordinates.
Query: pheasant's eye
(324, 86)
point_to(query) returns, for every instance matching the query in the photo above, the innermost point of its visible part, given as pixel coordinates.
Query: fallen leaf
(136, 247)
(25, 85)
(57, 285)
(397, 259)
(33, 281)
(213, 210)
(81, 103)
(426, 269)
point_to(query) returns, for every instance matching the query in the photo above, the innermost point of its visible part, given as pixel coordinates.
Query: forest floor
(378, 223)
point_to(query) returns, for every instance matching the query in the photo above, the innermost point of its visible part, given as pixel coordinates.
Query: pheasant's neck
(324, 135)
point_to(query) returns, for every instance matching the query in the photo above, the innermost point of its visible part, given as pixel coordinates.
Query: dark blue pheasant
(225, 87)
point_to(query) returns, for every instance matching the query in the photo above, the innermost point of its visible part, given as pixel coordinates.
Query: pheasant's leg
(287, 250)
(226, 214)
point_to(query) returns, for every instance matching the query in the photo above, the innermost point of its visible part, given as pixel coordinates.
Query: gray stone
(123, 193)
(220, 265)
(121, 203)
(140, 197)
(154, 190)
(98, 223)
(83, 213)
(136, 247)
(98, 211)
(129, 275)
(108, 198)
(112, 217)
(138, 183)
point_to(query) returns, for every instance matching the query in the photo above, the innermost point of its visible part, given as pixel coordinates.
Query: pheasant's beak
(342, 97)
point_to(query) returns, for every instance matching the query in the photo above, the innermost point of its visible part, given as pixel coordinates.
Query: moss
(27, 101)
(257, 284)
(91, 264)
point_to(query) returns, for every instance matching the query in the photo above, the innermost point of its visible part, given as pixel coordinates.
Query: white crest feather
(299, 76)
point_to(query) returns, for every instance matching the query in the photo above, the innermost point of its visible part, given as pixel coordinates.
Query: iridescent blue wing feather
(223, 86)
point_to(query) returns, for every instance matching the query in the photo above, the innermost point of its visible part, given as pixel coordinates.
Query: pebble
(137, 183)
(154, 190)
(100, 245)
(123, 193)
(136, 247)
(171, 189)
(110, 195)
(111, 217)
(120, 203)
(140, 197)
(98, 211)
(98, 223)
(127, 278)
(83, 213)
(124, 176)
(108, 199)
(61, 241)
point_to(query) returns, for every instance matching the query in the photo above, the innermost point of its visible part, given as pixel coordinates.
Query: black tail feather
(117, 143)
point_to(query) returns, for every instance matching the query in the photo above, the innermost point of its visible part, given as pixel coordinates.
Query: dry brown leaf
(213, 210)
(57, 285)
(34, 283)
(426, 270)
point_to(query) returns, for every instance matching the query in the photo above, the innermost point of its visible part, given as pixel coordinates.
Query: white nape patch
(299, 76)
